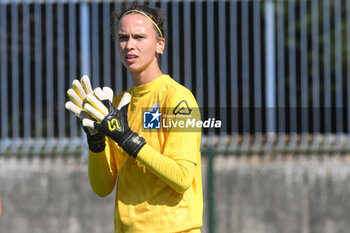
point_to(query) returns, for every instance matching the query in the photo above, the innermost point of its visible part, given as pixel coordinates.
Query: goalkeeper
(157, 171)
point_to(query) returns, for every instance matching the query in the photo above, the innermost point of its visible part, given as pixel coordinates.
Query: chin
(134, 69)
(138, 67)
(131, 67)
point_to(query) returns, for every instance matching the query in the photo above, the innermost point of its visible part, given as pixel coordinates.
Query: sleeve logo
(182, 108)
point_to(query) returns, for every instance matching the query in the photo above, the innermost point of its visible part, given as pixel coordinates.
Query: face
(138, 43)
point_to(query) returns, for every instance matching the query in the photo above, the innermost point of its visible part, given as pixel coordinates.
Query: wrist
(96, 142)
(132, 143)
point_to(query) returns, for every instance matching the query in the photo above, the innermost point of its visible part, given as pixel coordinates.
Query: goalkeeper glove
(95, 139)
(113, 122)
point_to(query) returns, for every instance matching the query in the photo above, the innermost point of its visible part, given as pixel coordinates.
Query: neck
(146, 76)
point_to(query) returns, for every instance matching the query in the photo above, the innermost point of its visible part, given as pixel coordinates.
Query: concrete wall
(51, 196)
(280, 194)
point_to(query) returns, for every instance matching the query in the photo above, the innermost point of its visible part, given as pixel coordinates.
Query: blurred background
(275, 72)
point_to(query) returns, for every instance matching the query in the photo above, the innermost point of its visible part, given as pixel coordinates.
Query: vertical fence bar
(75, 141)
(245, 66)
(315, 68)
(270, 72)
(85, 38)
(175, 40)
(72, 43)
(281, 96)
(5, 141)
(210, 59)
(292, 76)
(95, 56)
(60, 71)
(338, 67)
(85, 48)
(199, 53)
(222, 66)
(304, 74)
(118, 65)
(106, 44)
(129, 79)
(38, 71)
(257, 74)
(49, 70)
(348, 67)
(3, 72)
(187, 44)
(164, 57)
(234, 73)
(15, 70)
(326, 68)
(245, 75)
(257, 59)
(26, 77)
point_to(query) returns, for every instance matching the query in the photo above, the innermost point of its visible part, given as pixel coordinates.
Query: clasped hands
(99, 117)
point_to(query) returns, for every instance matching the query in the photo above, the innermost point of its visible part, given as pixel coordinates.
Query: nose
(130, 44)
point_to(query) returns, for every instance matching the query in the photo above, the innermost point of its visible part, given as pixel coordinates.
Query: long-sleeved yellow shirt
(160, 190)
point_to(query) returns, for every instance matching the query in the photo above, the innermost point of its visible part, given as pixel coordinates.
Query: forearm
(102, 172)
(178, 174)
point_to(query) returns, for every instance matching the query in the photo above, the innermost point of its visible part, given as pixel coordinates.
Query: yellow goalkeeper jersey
(145, 200)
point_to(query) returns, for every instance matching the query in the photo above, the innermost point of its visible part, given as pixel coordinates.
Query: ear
(160, 46)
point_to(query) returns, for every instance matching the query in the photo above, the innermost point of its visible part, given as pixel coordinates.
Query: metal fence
(275, 72)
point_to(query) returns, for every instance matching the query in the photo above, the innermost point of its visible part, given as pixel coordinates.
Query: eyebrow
(134, 34)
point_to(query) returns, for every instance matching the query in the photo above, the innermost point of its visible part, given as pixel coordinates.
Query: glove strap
(96, 142)
(132, 143)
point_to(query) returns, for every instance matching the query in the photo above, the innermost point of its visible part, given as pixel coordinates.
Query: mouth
(131, 58)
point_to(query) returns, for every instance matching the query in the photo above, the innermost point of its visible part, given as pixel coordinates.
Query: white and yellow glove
(78, 94)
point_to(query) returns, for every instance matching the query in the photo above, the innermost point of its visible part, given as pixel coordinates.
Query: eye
(139, 37)
(122, 37)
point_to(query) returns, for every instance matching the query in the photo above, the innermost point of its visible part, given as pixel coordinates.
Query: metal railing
(274, 72)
